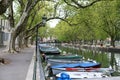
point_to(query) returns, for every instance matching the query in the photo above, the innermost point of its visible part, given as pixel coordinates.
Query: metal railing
(35, 68)
(41, 70)
(38, 64)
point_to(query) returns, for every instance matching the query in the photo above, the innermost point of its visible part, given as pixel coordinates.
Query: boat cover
(81, 64)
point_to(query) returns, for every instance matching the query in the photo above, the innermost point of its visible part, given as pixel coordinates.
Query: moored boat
(62, 61)
(84, 64)
(79, 75)
(45, 49)
(105, 70)
(64, 57)
(49, 50)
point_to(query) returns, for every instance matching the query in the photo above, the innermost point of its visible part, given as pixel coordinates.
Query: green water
(106, 59)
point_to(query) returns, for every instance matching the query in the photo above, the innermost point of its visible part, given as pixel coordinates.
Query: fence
(38, 64)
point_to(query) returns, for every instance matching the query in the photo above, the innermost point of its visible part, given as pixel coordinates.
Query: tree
(81, 3)
(26, 11)
(96, 22)
(109, 20)
(4, 4)
(21, 25)
(22, 22)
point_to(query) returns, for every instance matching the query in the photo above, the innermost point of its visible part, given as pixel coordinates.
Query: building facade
(4, 32)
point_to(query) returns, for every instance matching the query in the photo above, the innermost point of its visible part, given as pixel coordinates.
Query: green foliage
(96, 22)
(93, 23)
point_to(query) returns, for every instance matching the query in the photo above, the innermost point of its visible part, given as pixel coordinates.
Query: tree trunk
(18, 29)
(20, 41)
(112, 41)
(112, 61)
(12, 43)
(11, 23)
(26, 42)
(10, 16)
(32, 41)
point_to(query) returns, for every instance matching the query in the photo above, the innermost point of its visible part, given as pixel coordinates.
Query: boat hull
(64, 57)
(48, 50)
(62, 61)
(85, 64)
(80, 75)
(58, 70)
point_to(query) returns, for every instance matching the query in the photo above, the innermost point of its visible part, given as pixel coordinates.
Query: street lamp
(44, 19)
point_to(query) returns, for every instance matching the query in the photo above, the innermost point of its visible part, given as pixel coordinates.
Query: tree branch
(62, 20)
(21, 2)
(11, 16)
(70, 4)
(78, 5)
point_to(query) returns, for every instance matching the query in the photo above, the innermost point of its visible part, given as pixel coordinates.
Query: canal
(107, 59)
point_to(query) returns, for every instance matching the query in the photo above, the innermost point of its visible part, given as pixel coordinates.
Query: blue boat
(84, 64)
(59, 70)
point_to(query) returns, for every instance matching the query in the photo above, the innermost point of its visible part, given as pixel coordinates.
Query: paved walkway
(17, 68)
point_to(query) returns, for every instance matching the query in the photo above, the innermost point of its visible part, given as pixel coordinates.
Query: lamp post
(44, 18)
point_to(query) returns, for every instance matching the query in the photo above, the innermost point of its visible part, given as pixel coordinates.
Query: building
(4, 32)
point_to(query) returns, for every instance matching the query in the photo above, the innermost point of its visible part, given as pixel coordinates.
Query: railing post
(38, 61)
(36, 52)
(41, 70)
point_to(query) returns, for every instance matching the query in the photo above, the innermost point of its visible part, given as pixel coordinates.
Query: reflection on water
(107, 59)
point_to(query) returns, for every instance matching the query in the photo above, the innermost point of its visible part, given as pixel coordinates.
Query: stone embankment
(102, 48)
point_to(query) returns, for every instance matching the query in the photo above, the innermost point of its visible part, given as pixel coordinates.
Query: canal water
(107, 59)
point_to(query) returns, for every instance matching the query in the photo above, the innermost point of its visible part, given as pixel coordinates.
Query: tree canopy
(79, 20)
(98, 22)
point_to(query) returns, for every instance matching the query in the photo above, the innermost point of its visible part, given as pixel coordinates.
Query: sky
(53, 23)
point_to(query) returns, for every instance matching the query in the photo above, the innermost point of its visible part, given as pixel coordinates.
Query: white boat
(105, 70)
(80, 75)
